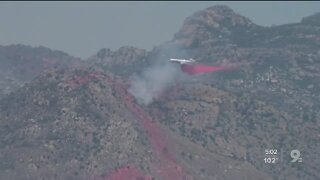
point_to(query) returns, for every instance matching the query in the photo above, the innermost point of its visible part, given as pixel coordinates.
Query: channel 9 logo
(295, 155)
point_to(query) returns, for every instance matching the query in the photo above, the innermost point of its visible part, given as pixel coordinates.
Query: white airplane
(183, 61)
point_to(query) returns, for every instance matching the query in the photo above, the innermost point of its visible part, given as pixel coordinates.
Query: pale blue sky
(82, 28)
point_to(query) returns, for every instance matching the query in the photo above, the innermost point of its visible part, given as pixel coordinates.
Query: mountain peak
(312, 20)
(211, 23)
(219, 15)
(220, 9)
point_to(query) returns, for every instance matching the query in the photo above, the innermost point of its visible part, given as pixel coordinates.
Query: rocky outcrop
(212, 26)
(20, 64)
(123, 61)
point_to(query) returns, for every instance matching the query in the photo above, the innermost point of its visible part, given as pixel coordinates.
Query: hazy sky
(82, 28)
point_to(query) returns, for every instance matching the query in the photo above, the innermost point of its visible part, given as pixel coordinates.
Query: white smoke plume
(157, 78)
(147, 86)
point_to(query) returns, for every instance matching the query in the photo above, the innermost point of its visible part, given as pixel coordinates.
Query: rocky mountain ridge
(20, 64)
(71, 124)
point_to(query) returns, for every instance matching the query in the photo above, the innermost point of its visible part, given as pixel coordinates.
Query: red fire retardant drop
(78, 80)
(167, 167)
(200, 68)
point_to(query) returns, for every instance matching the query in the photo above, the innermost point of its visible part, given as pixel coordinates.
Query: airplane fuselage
(182, 61)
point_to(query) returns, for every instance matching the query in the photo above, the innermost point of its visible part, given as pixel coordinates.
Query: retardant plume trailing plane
(190, 67)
